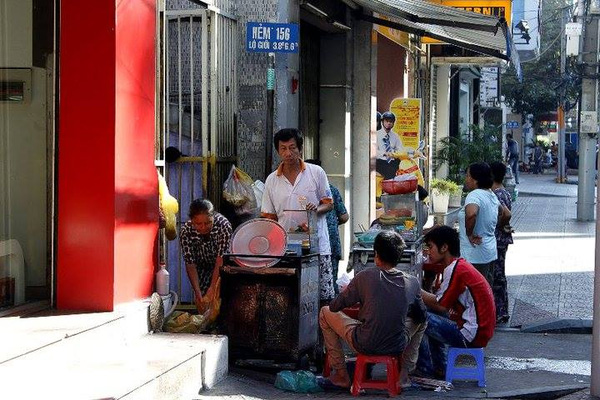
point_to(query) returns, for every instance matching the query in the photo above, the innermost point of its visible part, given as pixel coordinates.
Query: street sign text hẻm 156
(266, 37)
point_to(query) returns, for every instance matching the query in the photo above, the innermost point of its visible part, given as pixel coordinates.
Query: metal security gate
(197, 115)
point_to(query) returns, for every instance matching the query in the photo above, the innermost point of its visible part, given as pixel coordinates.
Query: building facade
(92, 107)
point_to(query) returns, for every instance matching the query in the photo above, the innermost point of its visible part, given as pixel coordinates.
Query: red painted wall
(136, 190)
(107, 189)
(391, 58)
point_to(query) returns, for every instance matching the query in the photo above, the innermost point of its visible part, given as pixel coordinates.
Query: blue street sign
(512, 124)
(266, 37)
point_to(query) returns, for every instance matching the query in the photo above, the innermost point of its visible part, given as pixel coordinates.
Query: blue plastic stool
(466, 373)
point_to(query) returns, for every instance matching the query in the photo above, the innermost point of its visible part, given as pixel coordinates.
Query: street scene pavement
(544, 350)
(550, 266)
(550, 278)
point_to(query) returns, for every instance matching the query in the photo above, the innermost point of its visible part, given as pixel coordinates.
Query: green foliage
(444, 186)
(539, 93)
(544, 143)
(479, 145)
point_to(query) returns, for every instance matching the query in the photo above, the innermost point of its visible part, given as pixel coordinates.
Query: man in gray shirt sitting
(392, 316)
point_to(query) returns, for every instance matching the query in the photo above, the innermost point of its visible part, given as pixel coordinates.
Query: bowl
(391, 186)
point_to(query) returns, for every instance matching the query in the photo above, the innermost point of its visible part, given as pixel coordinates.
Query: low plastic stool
(466, 373)
(391, 383)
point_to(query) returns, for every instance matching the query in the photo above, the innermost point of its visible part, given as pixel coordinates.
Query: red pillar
(107, 187)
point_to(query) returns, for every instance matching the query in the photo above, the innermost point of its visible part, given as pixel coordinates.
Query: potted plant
(456, 193)
(476, 145)
(440, 194)
(458, 152)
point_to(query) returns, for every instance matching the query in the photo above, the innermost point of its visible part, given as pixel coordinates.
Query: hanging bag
(238, 191)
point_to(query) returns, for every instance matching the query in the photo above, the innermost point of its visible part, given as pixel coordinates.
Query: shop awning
(483, 34)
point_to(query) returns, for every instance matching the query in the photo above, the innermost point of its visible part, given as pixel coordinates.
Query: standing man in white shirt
(387, 142)
(297, 185)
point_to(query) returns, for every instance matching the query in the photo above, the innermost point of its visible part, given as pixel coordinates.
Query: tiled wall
(251, 76)
(252, 68)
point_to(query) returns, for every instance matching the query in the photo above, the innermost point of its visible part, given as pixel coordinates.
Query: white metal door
(198, 107)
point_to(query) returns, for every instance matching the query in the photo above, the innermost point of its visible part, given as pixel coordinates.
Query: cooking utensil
(258, 237)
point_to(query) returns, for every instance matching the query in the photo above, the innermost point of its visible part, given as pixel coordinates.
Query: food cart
(270, 290)
(403, 213)
(271, 313)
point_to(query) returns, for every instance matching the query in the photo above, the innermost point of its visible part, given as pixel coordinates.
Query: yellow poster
(399, 145)
(408, 121)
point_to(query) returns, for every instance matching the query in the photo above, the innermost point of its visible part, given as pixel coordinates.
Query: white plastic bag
(405, 177)
(259, 189)
(343, 281)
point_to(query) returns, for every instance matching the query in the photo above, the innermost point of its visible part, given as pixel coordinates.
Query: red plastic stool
(391, 384)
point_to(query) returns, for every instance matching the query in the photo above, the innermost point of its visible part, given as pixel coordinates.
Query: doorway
(27, 153)
(196, 135)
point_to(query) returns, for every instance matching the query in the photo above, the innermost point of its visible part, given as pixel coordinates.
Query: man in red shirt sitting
(461, 313)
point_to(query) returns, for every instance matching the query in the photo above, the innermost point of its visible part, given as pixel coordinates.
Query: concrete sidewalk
(545, 185)
(550, 265)
(518, 365)
(550, 279)
(108, 355)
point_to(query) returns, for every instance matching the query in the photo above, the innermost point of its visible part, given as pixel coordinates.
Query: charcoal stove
(271, 312)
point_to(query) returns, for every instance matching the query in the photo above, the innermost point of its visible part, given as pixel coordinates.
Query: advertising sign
(408, 121)
(488, 87)
(266, 37)
(399, 146)
(497, 8)
(394, 35)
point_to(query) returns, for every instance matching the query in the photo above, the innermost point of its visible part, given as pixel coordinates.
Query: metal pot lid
(261, 236)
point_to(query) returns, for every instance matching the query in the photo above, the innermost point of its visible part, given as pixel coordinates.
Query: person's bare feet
(340, 377)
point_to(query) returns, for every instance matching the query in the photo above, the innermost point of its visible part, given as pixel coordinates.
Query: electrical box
(589, 122)
(573, 31)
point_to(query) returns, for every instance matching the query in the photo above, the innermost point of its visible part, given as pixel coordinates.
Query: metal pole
(561, 176)
(595, 372)
(589, 101)
(270, 114)
(595, 384)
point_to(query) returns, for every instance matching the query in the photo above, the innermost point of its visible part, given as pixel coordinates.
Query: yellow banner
(408, 128)
(497, 8)
(396, 36)
(408, 121)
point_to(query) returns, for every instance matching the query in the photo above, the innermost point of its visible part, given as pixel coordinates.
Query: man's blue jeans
(440, 332)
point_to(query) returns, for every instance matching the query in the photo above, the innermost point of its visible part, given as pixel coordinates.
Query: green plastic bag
(297, 381)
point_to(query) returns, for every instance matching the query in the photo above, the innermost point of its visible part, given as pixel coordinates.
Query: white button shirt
(395, 143)
(311, 186)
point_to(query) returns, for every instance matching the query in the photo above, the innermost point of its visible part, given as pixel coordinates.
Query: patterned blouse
(203, 250)
(332, 222)
(503, 239)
